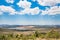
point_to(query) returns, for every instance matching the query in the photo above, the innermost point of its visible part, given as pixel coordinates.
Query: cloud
(52, 11)
(48, 2)
(32, 11)
(12, 11)
(7, 9)
(24, 4)
(27, 10)
(10, 1)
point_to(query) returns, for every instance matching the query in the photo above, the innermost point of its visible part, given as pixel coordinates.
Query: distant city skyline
(30, 12)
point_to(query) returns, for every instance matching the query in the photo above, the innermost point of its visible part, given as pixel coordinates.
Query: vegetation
(51, 34)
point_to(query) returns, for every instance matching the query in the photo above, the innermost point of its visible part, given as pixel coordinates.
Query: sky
(30, 12)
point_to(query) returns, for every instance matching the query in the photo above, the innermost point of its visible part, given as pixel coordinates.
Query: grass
(36, 35)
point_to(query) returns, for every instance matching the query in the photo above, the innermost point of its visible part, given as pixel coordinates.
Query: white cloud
(27, 10)
(52, 11)
(32, 11)
(7, 9)
(24, 4)
(48, 2)
(10, 1)
(12, 11)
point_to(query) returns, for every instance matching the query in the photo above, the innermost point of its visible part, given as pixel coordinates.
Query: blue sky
(30, 12)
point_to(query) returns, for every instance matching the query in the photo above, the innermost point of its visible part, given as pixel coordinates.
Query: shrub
(53, 34)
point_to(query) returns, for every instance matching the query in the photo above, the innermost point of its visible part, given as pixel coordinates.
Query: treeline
(51, 34)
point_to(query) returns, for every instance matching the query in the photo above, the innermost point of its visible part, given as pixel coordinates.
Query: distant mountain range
(36, 26)
(29, 27)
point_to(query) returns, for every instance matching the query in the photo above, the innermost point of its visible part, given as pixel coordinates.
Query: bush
(53, 34)
(36, 34)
